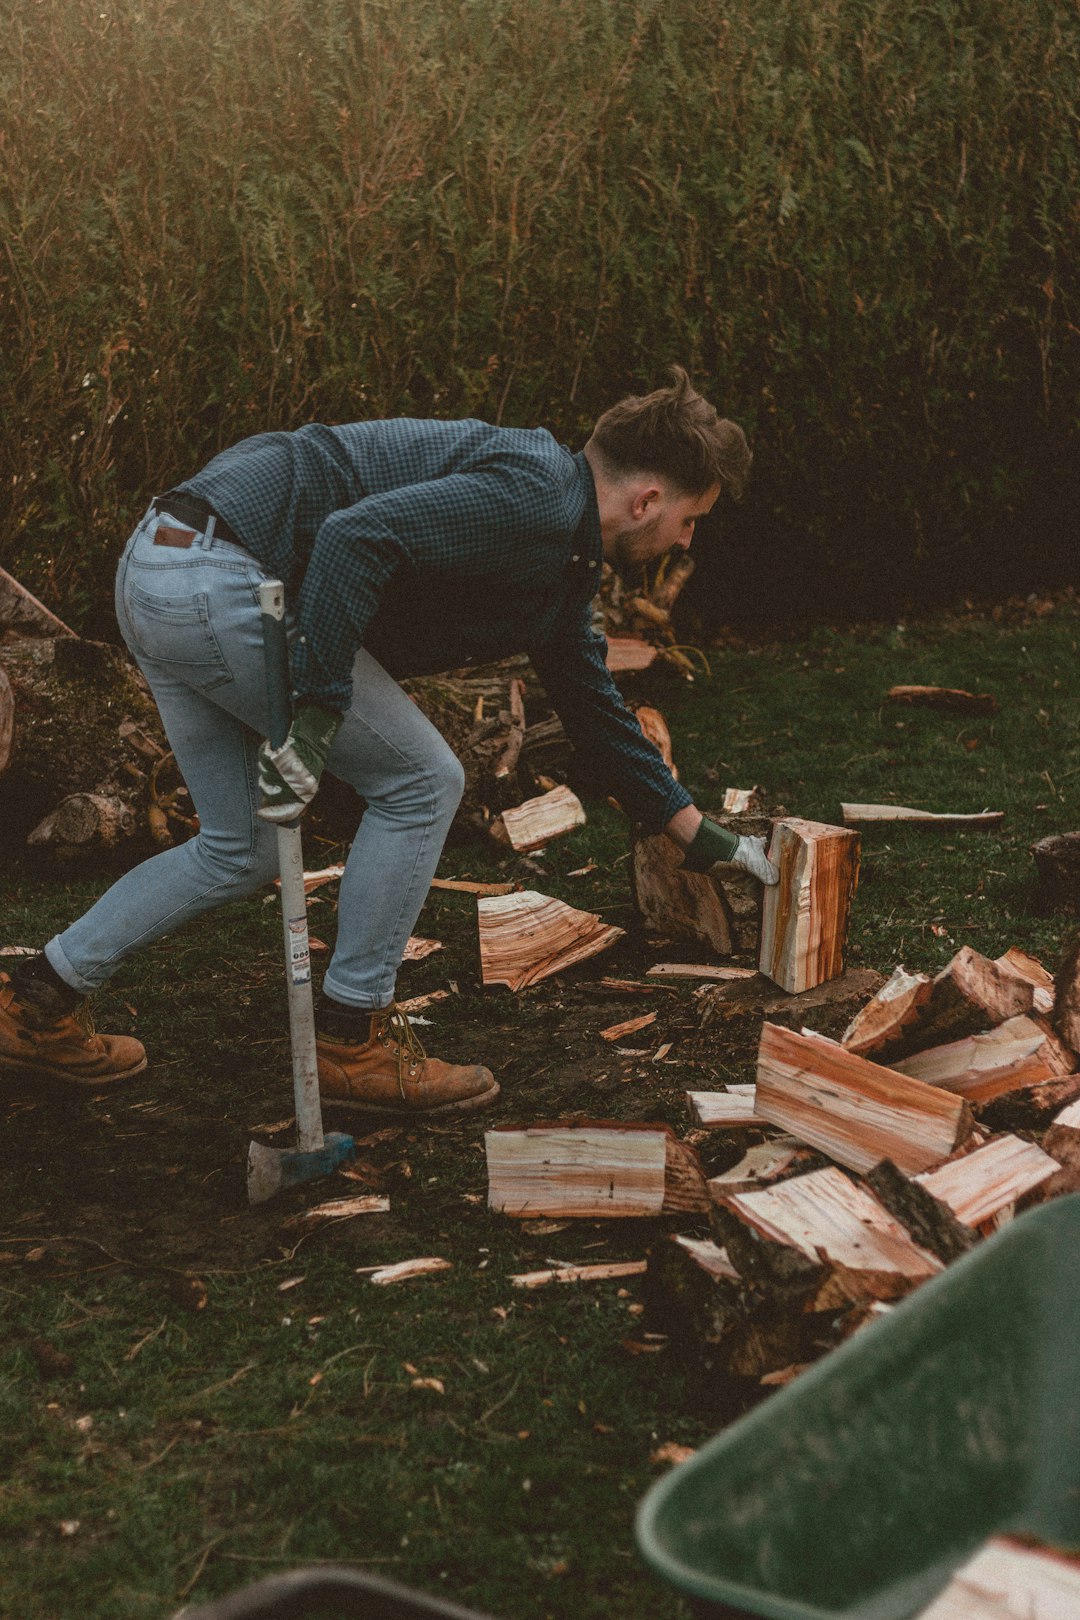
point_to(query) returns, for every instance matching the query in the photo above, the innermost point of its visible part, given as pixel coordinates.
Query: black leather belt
(195, 513)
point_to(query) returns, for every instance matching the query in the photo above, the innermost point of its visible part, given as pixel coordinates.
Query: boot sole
(46, 1071)
(467, 1105)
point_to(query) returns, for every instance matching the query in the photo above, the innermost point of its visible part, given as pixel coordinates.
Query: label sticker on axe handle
(299, 951)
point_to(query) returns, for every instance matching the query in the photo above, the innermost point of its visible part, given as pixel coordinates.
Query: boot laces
(397, 1032)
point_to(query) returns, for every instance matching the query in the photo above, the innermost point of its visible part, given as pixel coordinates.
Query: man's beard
(630, 552)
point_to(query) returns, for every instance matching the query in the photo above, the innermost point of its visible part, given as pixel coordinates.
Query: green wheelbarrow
(855, 1492)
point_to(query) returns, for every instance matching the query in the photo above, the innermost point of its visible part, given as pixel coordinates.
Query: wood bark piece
(534, 823)
(822, 1233)
(971, 993)
(1057, 861)
(928, 1222)
(525, 937)
(1031, 1108)
(758, 1167)
(1067, 995)
(21, 611)
(593, 1170)
(943, 697)
(1030, 968)
(1011, 1580)
(977, 1185)
(626, 654)
(675, 903)
(603, 1271)
(1020, 1052)
(855, 1111)
(7, 721)
(724, 1110)
(865, 815)
(891, 1010)
(84, 821)
(805, 916)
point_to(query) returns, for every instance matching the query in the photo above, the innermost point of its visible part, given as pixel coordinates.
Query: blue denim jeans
(191, 619)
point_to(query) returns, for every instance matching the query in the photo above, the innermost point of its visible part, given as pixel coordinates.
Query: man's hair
(676, 434)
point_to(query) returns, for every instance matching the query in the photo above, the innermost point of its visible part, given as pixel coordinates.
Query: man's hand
(714, 845)
(289, 775)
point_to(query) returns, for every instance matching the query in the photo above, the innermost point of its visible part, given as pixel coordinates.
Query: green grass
(277, 1427)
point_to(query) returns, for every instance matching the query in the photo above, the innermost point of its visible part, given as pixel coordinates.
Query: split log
(724, 1110)
(805, 916)
(627, 654)
(81, 822)
(7, 721)
(1009, 1579)
(823, 1239)
(1020, 1052)
(535, 823)
(1030, 968)
(851, 1109)
(758, 1167)
(830, 1004)
(943, 697)
(1057, 862)
(731, 1331)
(865, 815)
(928, 1222)
(1062, 1142)
(655, 728)
(526, 937)
(971, 993)
(22, 612)
(894, 1007)
(1031, 1108)
(675, 903)
(592, 1170)
(1067, 995)
(737, 801)
(976, 1186)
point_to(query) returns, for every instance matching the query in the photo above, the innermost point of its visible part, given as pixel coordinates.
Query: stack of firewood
(951, 1102)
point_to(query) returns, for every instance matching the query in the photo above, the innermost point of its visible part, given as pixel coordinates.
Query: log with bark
(821, 1239)
(592, 1170)
(805, 916)
(977, 1186)
(721, 909)
(970, 994)
(928, 1221)
(1067, 995)
(828, 1007)
(1030, 968)
(855, 1111)
(888, 1013)
(1018, 1053)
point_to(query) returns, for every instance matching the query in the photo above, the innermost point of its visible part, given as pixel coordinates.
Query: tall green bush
(855, 221)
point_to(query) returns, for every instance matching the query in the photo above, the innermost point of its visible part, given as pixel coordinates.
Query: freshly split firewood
(1031, 1108)
(737, 801)
(943, 697)
(758, 1167)
(678, 904)
(821, 1237)
(724, 1110)
(527, 936)
(1030, 968)
(1067, 996)
(655, 728)
(1011, 1580)
(1020, 1052)
(628, 653)
(592, 1170)
(864, 815)
(805, 916)
(977, 1185)
(890, 1011)
(855, 1111)
(970, 994)
(535, 823)
(928, 1222)
(1057, 861)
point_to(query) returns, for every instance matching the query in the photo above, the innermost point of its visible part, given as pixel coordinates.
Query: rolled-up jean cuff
(54, 955)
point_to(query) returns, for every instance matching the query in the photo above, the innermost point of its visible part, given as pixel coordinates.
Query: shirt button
(592, 565)
(576, 557)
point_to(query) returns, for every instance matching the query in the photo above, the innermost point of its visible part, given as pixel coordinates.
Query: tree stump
(1057, 860)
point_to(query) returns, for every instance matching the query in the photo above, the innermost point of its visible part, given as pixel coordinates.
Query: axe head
(270, 1170)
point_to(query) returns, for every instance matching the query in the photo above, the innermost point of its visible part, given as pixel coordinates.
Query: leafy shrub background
(856, 221)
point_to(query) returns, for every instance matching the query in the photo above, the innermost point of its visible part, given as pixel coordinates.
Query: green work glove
(289, 775)
(714, 844)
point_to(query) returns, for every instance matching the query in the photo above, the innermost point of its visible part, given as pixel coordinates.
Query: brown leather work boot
(38, 1039)
(390, 1073)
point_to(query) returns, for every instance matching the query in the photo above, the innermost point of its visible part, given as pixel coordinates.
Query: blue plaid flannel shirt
(436, 545)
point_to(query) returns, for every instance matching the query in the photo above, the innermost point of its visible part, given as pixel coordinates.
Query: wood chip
(723, 1110)
(416, 948)
(531, 825)
(466, 886)
(402, 1270)
(943, 697)
(700, 970)
(601, 1272)
(337, 1209)
(616, 1032)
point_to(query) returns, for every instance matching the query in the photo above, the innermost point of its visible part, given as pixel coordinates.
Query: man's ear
(644, 500)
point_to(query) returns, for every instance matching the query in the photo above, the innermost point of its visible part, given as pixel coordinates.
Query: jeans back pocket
(176, 631)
